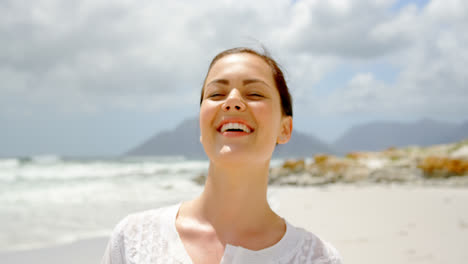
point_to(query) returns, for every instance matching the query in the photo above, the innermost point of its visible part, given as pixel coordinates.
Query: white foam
(103, 169)
(46, 159)
(9, 163)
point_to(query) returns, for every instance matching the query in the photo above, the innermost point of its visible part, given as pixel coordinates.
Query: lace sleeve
(313, 250)
(333, 254)
(115, 250)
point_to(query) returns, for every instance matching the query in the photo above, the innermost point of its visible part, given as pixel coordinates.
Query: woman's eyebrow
(249, 81)
(220, 81)
(245, 82)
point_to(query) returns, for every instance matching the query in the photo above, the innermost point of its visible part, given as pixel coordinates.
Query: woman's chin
(230, 154)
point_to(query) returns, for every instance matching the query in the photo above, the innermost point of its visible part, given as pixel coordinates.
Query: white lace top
(151, 237)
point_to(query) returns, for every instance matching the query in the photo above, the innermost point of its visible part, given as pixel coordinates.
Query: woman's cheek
(207, 117)
(262, 111)
(206, 110)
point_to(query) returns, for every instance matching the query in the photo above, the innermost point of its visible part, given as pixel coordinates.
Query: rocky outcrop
(443, 167)
(435, 165)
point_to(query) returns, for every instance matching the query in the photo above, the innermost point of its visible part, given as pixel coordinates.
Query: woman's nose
(234, 101)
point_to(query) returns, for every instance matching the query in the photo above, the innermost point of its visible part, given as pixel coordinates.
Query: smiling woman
(245, 111)
(240, 89)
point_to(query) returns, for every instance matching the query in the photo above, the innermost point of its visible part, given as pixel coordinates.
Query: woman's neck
(234, 200)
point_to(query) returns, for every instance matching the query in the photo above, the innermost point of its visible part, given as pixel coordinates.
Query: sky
(98, 77)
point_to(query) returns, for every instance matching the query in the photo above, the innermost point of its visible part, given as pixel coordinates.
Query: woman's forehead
(243, 64)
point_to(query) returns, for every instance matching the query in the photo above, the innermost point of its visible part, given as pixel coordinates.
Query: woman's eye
(256, 95)
(215, 95)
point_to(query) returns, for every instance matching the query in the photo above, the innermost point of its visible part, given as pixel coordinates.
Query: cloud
(431, 80)
(86, 56)
(339, 28)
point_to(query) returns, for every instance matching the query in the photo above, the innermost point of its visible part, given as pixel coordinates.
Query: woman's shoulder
(138, 221)
(313, 249)
(142, 235)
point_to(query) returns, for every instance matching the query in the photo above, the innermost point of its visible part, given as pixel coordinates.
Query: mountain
(380, 135)
(184, 140)
(302, 145)
(460, 132)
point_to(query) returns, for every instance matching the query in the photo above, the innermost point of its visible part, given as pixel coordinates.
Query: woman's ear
(285, 130)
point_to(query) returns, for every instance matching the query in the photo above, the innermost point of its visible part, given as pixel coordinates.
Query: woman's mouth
(234, 129)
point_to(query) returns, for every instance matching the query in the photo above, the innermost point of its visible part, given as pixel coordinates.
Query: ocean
(51, 200)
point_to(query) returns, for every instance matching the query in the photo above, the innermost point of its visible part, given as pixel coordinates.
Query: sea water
(50, 200)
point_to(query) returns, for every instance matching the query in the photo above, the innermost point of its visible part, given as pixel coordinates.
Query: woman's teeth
(235, 126)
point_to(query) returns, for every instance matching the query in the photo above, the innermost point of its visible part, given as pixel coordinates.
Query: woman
(245, 111)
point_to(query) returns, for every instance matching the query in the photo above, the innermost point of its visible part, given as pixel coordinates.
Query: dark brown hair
(278, 75)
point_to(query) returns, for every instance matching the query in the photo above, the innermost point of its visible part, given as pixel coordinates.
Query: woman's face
(241, 118)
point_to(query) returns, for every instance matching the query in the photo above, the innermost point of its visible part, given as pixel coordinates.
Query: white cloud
(84, 56)
(362, 93)
(338, 28)
(432, 67)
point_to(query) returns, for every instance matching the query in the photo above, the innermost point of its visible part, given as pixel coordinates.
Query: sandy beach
(384, 224)
(367, 224)
(81, 252)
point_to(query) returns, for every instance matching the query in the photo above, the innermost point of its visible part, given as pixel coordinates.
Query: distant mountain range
(184, 140)
(380, 135)
(302, 145)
